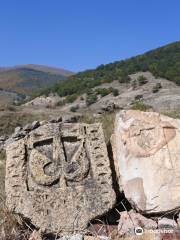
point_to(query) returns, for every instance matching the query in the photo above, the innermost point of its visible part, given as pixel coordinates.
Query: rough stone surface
(145, 236)
(129, 221)
(97, 238)
(35, 124)
(35, 236)
(178, 221)
(72, 237)
(167, 223)
(147, 160)
(59, 176)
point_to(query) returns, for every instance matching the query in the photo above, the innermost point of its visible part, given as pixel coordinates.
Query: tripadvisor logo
(139, 231)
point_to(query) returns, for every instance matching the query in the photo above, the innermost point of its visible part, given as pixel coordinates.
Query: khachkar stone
(147, 159)
(59, 176)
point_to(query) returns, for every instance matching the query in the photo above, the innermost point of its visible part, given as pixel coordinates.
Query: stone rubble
(167, 223)
(130, 221)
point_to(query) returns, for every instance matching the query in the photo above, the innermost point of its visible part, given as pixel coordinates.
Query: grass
(173, 114)
(2, 172)
(139, 105)
(107, 121)
(10, 120)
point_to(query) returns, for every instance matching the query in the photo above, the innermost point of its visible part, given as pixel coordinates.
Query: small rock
(144, 236)
(70, 119)
(53, 121)
(129, 221)
(96, 238)
(9, 141)
(59, 119)
(28, 127)
(19, 135)
(35, 124)
(110, 107)
(35, 236)
(17, 130)
(3, 138)
(43, 122)
(72, 237)
(167, 223)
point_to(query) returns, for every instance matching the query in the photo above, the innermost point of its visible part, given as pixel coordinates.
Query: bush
(60, 103)
(107, 120)
(156, 88)
(71, 98)
(139, 105)
(124, 78)
(92, 98)
(142, 80)
(74, 108)
(102, 91)
(115, 92)
(134, 84)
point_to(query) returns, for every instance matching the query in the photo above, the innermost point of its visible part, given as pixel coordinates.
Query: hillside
(24, 79)
(162, 62)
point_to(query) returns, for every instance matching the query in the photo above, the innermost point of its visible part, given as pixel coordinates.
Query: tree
(115, 92)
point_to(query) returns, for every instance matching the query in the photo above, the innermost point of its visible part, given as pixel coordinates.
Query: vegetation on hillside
(162, 62)
(26, 80)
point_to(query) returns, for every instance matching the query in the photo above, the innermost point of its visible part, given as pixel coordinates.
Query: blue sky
(81, 34)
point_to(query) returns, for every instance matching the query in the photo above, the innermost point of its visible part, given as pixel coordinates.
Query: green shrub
(124, 78)
(156, 88)
(61, 103)
(139, 105)
(71, 98)
(92, 98)
(103, 91)
(107, 120)
(142, 80)
(115, 92)
(74, 108)
(138, 97)
(134, 84)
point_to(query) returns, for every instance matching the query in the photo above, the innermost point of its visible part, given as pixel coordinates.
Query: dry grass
(107, 121)
(7, 220)
(11, 226)
(173, 114)
(9, 120)
(8, 223)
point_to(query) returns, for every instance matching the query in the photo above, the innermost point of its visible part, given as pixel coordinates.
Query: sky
(82, 34)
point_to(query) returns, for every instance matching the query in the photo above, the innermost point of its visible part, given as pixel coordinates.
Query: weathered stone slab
(147, 159)
(59, 176)
(130, 222)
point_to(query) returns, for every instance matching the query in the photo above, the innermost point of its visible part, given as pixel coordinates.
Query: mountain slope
(162, 62)
(27, 78)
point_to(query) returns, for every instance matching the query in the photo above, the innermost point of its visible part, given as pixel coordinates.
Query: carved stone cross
(59, 176)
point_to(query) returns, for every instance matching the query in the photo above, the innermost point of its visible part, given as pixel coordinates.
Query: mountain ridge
(161, 62)
(39, 67)
(24, 79)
